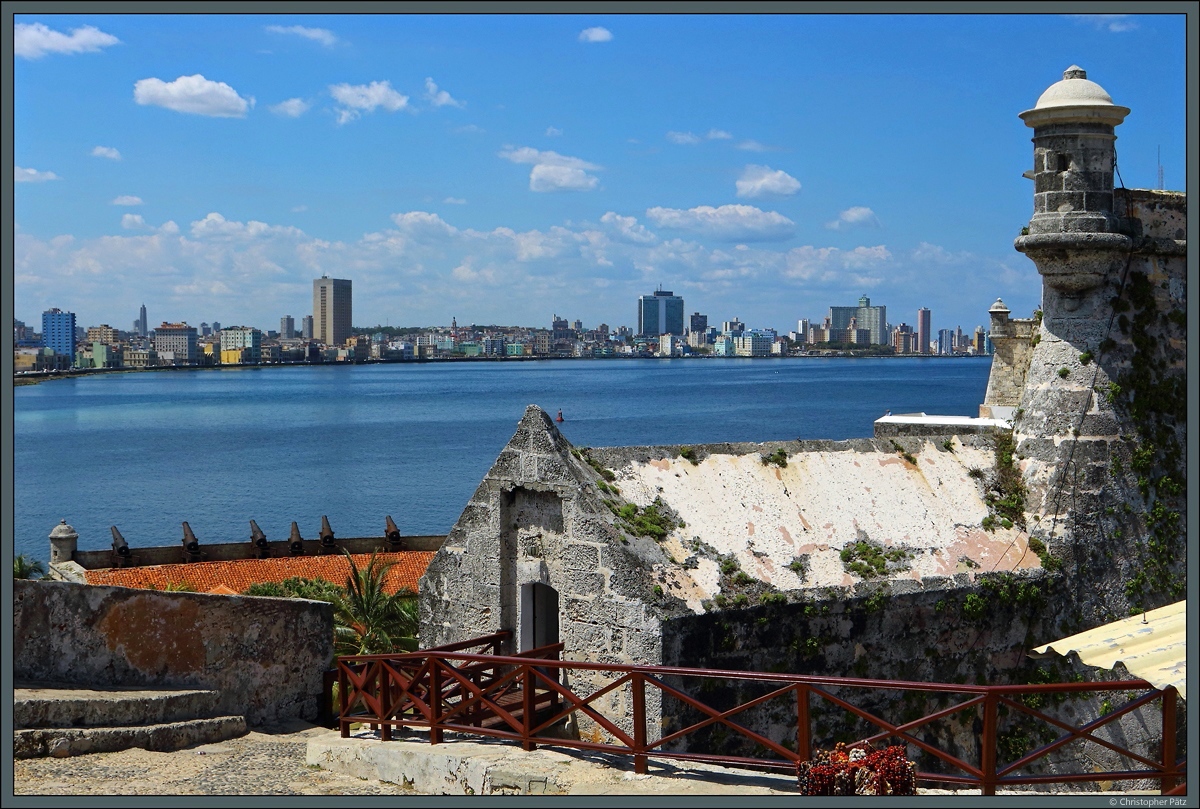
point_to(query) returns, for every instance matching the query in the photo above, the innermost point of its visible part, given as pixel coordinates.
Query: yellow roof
(1152, 646)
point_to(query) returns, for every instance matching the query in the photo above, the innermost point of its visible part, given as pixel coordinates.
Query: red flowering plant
(858, 769)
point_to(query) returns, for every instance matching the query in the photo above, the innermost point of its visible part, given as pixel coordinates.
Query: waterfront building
(670, 345)
(866, 316)
(698, 323)
(924, 335)
(176, 344)
(102, 334)
(141, 358)
(493, 346)
(752, 344)
(242, 339)
(287, 327)
(660, 313)
(306, 327)
(903, 339)
(332, 310)
(723, 346)
(559, 328)
(58, 332)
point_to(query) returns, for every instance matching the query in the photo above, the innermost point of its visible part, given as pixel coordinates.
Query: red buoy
(559, 417)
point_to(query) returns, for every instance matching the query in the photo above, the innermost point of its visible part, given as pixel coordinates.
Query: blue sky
(501, 169)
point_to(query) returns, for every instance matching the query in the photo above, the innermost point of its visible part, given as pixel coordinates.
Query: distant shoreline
(33, 378)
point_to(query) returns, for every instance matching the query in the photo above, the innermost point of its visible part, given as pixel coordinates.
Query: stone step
(48, 706)
(62, 742)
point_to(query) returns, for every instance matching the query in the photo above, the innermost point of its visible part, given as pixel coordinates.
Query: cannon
(191, 545)
(120, 547)
(327, 543)
(295, 541)
(259, 540)
(392, 534)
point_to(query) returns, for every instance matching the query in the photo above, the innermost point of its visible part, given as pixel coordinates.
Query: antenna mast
(1160, 171)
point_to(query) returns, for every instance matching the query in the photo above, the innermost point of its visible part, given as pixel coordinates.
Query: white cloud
(1116, 23)
(292, 108)
(355, 98)
(439, 98)
(718, 134)
(299, 209)
(422, 224)
(553, 171)
(825, 264)
(132, 221)
(127, 199)
(546, 177)
(21, 175)
(857, 216)
(685, 138)
(758, 181)
(553, 132)
(106, 151)
(192, 94)
(36, 40)
(754, 146)
(321, 35)
(471, 129)
(727, 222)
(595, 35)
(527, 154)
(454, 201)
(216, 226)
(627, 228)
(928, 253)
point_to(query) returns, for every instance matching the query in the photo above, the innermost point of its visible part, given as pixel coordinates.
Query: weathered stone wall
(958, 629)
(265, 656)
(1101, 427)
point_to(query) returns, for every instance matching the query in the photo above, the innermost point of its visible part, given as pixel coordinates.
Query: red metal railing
(522, 697)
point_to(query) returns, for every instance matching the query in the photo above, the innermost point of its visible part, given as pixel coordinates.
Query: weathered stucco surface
(823, 500)
(265, 656)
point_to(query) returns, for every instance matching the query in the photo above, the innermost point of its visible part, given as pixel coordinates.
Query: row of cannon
(258, 539)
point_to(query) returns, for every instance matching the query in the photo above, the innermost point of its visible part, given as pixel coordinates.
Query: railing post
(638, 684)
(385, 702)
(527, 703)
(803, 731)
(343, 725)
(987, 755)
(435, 701)
(1168, 742)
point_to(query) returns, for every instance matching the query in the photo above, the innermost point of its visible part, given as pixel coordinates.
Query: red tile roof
(239, 574)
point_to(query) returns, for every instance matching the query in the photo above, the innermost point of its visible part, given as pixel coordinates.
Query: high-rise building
(306, 327)
(660, 313)
(332, 312)
(733, 328)
(176, 343)
(140, 327)
(945, 342)
(924, 335)
(58, 332)
(287, 327)
(698, 323)
(802, 327)
(866, 316)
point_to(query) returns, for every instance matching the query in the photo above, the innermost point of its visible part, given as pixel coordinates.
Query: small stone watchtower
(1012, 347)
(63, 543)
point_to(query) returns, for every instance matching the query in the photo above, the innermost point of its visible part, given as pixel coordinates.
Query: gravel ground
(266, 761)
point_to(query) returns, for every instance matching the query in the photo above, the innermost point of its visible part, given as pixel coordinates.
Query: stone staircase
(54, 720)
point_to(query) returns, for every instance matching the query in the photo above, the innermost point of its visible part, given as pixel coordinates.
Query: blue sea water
(145, 451)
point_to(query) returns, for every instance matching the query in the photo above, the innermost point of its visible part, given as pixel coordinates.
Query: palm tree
(26, 568)
(367, 619)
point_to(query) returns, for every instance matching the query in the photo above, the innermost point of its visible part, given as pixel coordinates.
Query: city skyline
(454, 177)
